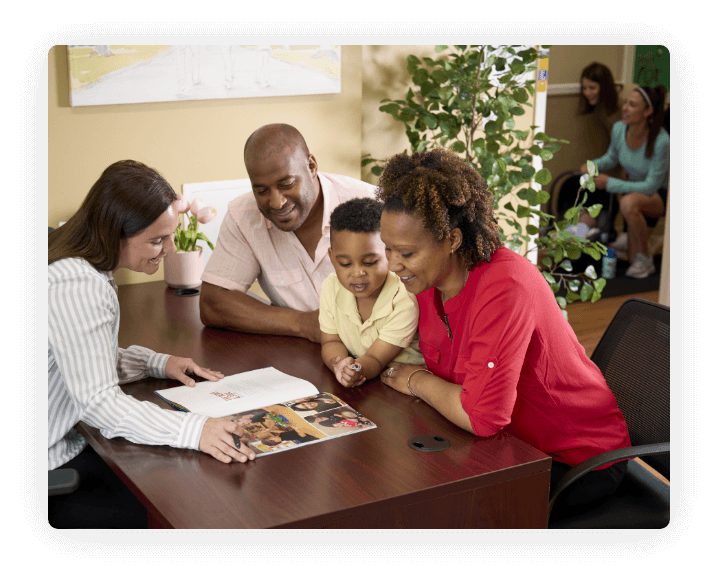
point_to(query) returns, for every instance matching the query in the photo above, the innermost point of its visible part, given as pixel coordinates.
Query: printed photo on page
(299, 422)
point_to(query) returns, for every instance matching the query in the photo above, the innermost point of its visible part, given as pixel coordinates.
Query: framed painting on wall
(121, 74)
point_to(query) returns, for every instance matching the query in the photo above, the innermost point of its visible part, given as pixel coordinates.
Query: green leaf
(412, 63)
(430, 121)
(440, 76)
(527, 172)
(458, 146)
(367, 161)
(586, 292)
(523, 211)
(376, 170)
(440, 47)
(593, 252)
(406, 115)
(546, 155)
(591, 272)
(594, 210)
(561, 302)
(592, 169)
(570, 213)
(599, 285)
(391, 108)
(201, 236)
(532, 229)
(558, 254)
(420, 76)
(574, 252)
(566, 265)
(546, 262)
(543, 177)
(549, 277)
(571, 297)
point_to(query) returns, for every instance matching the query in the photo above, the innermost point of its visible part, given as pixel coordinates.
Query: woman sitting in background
(599, 96)
(640, 144)
(600, 107)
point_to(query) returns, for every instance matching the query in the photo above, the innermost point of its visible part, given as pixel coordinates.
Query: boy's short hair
(360, 215)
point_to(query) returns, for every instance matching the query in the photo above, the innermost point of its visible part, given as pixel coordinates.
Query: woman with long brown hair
(641, 145)
(128, 221)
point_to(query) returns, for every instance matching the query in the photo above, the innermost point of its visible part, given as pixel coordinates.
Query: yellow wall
(195, 141)
(190, 141)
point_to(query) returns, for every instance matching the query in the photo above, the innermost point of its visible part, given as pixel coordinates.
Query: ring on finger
(389, 372)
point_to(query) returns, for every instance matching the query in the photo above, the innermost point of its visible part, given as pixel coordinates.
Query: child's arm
(379, 354)
(333, 350)
(337, 359)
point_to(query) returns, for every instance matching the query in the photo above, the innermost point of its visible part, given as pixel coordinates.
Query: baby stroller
(563, 190)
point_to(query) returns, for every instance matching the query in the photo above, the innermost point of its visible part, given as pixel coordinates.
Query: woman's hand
(399, 376)
(177, 369)
(346, 375)
(601, 180)
(216, 440)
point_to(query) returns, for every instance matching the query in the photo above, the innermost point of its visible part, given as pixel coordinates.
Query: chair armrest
(602, 459)
(62, 481)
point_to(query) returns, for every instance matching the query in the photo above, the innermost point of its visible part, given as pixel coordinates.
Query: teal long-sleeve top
(645, 175)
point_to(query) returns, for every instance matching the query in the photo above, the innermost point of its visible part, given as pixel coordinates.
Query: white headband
(645, 96)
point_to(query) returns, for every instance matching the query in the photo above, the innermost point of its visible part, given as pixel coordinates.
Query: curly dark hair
(361, 215)
(445, 193)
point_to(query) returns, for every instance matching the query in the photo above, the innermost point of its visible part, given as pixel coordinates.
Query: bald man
(278, 234)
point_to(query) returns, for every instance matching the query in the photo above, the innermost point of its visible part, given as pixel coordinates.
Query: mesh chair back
(634, 357)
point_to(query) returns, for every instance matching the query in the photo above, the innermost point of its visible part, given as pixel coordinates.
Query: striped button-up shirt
(85, 367)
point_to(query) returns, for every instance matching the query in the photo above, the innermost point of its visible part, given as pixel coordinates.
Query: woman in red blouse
(499, 353)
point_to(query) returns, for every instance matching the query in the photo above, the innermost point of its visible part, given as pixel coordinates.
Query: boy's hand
(345, 374)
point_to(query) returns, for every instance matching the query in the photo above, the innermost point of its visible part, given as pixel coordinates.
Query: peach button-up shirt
(250, 247)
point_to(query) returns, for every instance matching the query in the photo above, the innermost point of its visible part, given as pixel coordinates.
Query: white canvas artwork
(120, 74)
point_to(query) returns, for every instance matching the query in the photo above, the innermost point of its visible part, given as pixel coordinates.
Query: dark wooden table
(371, 479)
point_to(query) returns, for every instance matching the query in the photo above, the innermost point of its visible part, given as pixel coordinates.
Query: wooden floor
(589, 322)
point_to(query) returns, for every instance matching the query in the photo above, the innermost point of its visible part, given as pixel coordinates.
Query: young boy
(366, 316)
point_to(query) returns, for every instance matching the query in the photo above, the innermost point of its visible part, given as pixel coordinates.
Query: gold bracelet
(408, 384)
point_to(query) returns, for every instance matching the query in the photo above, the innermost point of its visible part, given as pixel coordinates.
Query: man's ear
(313, 167)
(329, 252)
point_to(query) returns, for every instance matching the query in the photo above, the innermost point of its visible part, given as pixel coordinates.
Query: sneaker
(620, 244)
(642, 267)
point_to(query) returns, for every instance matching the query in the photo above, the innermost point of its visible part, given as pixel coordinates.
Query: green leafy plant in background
(467, 100)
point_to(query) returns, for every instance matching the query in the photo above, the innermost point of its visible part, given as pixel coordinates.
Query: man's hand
(177, 369)
(216, 440)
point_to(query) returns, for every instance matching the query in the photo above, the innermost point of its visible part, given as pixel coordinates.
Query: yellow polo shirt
(394, 318)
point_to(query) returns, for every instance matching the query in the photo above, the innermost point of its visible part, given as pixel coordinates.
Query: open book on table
(254, 400)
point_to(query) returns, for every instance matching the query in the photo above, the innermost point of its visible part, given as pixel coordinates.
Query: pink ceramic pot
(184, 270)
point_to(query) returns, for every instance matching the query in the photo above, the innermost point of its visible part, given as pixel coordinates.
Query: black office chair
(634, 357)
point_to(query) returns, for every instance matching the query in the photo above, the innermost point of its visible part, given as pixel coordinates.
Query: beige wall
(191, 141)
(196, 141)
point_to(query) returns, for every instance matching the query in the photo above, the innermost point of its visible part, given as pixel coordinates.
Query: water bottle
(608, 265)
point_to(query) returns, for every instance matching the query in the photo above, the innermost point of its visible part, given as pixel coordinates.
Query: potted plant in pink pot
(184, 267)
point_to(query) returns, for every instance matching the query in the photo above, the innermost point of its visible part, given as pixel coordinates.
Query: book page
(237, 393)
(293, 424)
